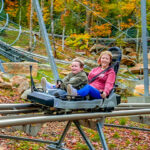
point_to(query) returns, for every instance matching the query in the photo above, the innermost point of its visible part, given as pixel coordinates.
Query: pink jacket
(104, 81)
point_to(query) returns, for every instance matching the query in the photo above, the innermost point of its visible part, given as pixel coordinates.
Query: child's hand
(58, 83)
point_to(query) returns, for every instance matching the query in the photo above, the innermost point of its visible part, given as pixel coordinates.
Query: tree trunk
(42, 5)
(64, 27)
(137, 44)
(88, 20)
(20, 13)
(52, 30)
(31, 23)
(63, 38)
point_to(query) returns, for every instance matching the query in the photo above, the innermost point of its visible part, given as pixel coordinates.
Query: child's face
(75, 67)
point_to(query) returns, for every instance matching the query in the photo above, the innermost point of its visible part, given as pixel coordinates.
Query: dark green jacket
(76, 80)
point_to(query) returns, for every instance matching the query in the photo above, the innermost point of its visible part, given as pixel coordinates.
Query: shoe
(43, 83)
(57, 95)
(71, 90)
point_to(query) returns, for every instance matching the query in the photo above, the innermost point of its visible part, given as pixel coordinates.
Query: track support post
(99, 126)
(84, 135)
(59, 144)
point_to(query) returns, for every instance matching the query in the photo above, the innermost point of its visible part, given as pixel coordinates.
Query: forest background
(79, 21)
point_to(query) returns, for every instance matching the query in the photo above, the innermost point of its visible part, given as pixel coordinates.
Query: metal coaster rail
(14, 54)
(50, 117)
(18, 55)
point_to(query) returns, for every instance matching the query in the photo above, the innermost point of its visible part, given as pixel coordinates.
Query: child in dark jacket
(77, 78)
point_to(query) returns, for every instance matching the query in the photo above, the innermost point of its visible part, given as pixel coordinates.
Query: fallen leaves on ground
(116, 138)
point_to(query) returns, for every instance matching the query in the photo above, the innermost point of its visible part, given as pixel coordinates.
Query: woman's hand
(101, 91)
(103, 95)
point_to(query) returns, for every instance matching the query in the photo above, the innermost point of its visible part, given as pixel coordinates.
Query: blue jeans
(89, 90)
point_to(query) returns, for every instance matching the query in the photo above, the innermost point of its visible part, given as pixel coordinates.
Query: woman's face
(75, 67)
(105, 60)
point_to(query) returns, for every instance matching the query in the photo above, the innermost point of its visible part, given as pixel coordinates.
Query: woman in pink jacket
(103, 84)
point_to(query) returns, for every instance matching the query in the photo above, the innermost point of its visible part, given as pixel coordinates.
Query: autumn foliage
(103, 30)
(97, 19)
(12, 7)
(80, 41)
(97, 14)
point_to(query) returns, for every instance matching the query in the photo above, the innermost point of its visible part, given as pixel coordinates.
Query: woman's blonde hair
(79, 61)
(103, 53)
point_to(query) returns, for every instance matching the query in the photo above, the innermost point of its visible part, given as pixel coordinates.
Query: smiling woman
(101, 86)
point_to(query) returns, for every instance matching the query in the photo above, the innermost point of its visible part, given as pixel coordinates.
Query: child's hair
(103, 53)
(79, 61)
